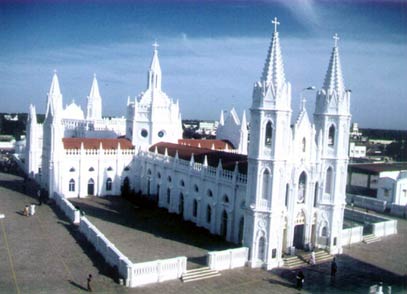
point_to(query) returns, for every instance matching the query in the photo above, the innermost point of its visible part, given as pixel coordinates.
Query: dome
(73, 111)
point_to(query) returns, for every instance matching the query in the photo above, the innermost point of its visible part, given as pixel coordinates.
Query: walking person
(300, 279)
(334, 268)
(89, 283)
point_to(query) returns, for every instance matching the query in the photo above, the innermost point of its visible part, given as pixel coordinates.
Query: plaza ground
(46, 254)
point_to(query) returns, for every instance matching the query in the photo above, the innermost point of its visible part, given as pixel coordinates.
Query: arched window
(302, 187)
(182, 183)
(225, 199)
(109, 168)
(109, 184)
(208, 214)
(195, 208)
(316, 194)
(287, 193)
(331, 136)
(196, 188)
(268, 134)
(304, 144)
(169, 179)
(209, 193)
(159, 175)
(266, 184)
(328, 181)
(72, 169)
(91, 169)
(149, 172)
(72, 185)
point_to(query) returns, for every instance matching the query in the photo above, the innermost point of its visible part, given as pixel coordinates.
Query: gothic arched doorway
(91, 187)
(298, 241)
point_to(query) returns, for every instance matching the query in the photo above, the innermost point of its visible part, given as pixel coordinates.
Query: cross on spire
(336, 39)
(276, 23)
(155, 45)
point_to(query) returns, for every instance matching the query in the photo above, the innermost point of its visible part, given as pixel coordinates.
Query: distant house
(383, 181)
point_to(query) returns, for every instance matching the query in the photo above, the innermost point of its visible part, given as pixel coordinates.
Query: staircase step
(367, 239)
(200, 277)
(199, 269)
(199, 274)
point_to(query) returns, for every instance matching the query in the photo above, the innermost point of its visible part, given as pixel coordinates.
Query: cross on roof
(155, 45)
(336, 39)
(276, 23)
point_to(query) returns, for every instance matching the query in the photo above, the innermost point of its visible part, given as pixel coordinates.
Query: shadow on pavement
(353, 276)
(77, 285)
(153, 220)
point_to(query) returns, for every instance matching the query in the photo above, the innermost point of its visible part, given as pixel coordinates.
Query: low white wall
(158, 271)
(352, 235)
(228, 259)
(67, 208)
(367, 202)
(107, 249)
(381, 225)
(399, 210)
(385, 228)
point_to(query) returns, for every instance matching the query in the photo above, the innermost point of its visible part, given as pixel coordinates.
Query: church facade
(284, 188)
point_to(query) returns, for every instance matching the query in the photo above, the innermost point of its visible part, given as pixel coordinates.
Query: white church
(283, 188)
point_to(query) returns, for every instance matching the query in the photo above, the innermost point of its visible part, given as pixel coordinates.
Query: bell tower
(332, 122)
(270, 138)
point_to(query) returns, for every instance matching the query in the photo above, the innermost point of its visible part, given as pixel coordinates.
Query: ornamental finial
(336, 39)
(276, 23)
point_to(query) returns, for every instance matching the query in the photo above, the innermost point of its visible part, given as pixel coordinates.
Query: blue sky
(211, 52)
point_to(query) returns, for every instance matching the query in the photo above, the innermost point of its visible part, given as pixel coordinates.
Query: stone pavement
(45, 254)
(42, 253)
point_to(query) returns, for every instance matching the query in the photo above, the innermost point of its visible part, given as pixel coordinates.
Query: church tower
(94, 106)
(53, 134)
(332, 123)
(270, 138)
(153, 116)
(33, 145)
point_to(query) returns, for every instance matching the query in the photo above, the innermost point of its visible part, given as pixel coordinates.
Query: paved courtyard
(45, 254)
(146, 234)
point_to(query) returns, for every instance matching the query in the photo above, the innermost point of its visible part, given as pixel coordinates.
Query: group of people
(300, 275)
(30, 209)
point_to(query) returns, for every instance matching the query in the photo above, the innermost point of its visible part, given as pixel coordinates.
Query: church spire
(273, 72)
(94, 107)
(54, 101)
(154, 73)
(333, 79)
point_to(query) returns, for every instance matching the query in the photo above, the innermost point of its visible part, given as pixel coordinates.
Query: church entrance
(298, 241)
(299, 237)
(91, 187)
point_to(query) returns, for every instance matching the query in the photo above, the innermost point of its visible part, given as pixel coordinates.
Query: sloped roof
(185, 152)
(94, 143)
(207, 143)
